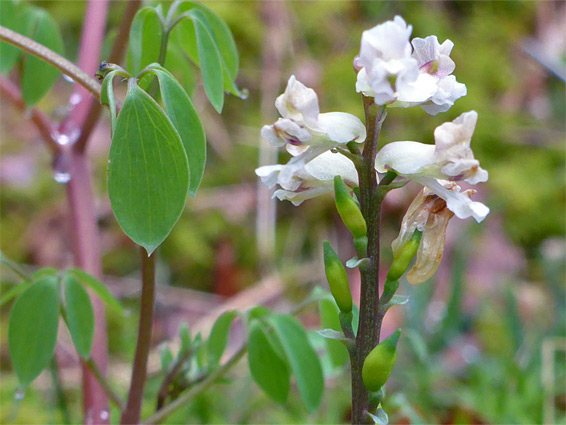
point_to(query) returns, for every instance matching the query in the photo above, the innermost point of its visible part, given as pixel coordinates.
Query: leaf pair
(37, 76)
(200, 33)
(278, 347)
(157, 156)
(34, 319)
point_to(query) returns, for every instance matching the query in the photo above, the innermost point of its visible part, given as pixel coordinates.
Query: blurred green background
(484, 341)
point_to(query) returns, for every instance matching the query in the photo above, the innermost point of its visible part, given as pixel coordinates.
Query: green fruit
(402, 261)
(380, 362)
(348, 209)
(337, 279)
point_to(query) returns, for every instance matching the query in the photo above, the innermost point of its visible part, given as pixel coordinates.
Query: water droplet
(19, 394)
(68, 79)
(62, 177)
(75, 99)
(67, 138)
(104, 415)
(244, 93)
(61, 168)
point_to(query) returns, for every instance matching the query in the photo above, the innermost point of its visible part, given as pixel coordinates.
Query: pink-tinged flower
(395, 71)
(435, 69)
(313, 179)
(387, 68)
(303, 126)
(429, 214)
(451, 158)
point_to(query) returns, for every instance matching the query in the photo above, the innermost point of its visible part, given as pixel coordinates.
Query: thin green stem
(197, 389)
(113, 395)
(16, 268)
(59, 393)
(65, 66)
(131, 415)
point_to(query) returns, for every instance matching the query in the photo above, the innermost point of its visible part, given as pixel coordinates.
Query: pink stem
(85, 235)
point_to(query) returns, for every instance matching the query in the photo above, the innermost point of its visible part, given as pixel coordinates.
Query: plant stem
(116, 55)
(135, 396)
(39, 50)
(43, 124)
(170, 377)
(370, 320)
(196, 390)
(116, 399)
(59, 393)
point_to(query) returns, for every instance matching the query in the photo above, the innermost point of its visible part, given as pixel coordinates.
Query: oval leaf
(303, 359)
(145, 40)
(80, 316)
(218, 339)
(267, 369)
(181, 112)
(148, 172)
(223, 39)
(38, 76)
(32, 331)
(210, 62)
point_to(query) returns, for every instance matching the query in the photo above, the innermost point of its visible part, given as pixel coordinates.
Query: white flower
(313, 179)
(387, 67)
(430, 214)
(435, 67)
(451, 158)
(303, 125)
(393, 71)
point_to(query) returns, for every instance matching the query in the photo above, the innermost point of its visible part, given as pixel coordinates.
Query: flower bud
(380, 362)
(403, 256)
(348, 209)
(337, 279)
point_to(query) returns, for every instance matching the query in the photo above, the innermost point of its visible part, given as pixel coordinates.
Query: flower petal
(405, 158)
(329, 165)
(299, 103)
(342, 127)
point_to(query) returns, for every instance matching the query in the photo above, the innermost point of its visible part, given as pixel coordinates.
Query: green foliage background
(519, 143)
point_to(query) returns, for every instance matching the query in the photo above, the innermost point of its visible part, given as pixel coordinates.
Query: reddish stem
(85, 235)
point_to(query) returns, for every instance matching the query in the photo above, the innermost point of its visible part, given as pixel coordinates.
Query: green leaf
(148, 171)
(32, 331)
(11, 18)
(185, 337)
(166, 357)
(145, 40)
(98, 287)
(210, 61)
(179, 65)
(39, 76)
(329, 319)
(107, 96)
(218, 339)
(268, 370)
(80, 316)
(302, 358)
(181, 112)
(223, 39)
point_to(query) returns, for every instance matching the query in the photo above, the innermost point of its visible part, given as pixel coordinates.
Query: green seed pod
(403, 259)
(337, 279)
(380, 362)
(348, 209)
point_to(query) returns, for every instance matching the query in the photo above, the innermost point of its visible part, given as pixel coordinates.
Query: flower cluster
(394, 71)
